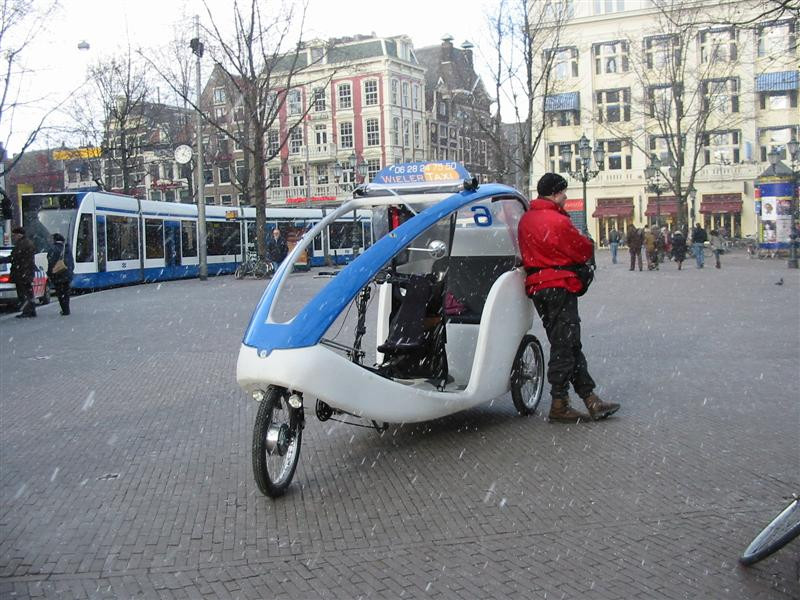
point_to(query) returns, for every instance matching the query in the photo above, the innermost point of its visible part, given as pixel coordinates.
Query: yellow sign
(230, 215)
(73, 153)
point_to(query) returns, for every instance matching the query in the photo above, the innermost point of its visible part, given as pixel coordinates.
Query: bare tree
(525, 37)
(259, 65)
(20, 24)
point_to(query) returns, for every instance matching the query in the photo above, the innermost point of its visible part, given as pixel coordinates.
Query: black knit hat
(551, 183)
(18, 230)
(57, 237)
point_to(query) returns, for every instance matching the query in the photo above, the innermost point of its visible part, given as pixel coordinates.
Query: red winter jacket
(548, 238)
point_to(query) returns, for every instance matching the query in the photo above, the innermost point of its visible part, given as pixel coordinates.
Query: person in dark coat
(678, 248)
(635, 240)
(62, 279)
(23, 269)
(277, 248)
(550, 244)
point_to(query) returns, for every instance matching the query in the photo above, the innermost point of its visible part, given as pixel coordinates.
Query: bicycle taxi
(451, 327)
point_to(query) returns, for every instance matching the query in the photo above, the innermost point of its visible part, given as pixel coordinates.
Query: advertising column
(776, 212)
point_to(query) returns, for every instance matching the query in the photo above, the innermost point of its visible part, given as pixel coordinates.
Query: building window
(718, 45)
(394, 86)
(405, 94)
(611, 57)
(415, 97)
(346, 135)
(224, 172)
(274, 177)
(209, 200)
(294, 102)
(604, 7)
(345, 95)
(241, 172)
(442, 108)
(564, 118)
(661, 51)
(660, 146)
(219, 95)
(240, 198)
(273, 142)
(778, 100)
(321, 136)
(296, 141)
(721, 147)
(558, 162)
(219, 113)
(373, 133)
(298, 176)
(776, 139)
(226, 200)
(468, 150)
(660, 100)
(406, 133)
(617, 155)
(322, 174)
(373, 166)
(222, 145)
(565, 63)
(613, 106)
(417, 134)
(721, 95)
(238, 114)
(371, 92)
(396, 131)
(320, 100)
(777, 38)
(208, 176)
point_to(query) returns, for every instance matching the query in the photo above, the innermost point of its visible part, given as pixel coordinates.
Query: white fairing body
(320, 373)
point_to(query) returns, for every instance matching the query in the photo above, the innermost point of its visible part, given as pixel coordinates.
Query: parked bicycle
(253, 267)
(780, 531)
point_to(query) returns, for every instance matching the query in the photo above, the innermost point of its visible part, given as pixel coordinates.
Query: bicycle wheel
(239, 272)
(260, 270)
(527, 376)
(782, 530)
(277, 434)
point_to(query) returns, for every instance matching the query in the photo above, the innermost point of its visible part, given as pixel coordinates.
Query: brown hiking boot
(562, 412)
(599, 409)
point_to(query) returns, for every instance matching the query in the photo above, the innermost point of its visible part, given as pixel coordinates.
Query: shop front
(613, 213)
(662, 211)
(722, 212)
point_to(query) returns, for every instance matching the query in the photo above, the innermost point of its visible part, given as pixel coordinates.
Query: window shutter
(708, 157)
(763, 100)
(793, 98)
(735, 104)
(626, 113)
(736, 155)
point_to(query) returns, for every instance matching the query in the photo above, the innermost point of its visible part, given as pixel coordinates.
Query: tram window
(189, 238)
(122, 238)
(341, 233)
(251, 236)
(84, 249)
(153, 238)
(223, 238)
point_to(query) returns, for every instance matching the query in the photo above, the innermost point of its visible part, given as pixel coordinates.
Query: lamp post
(692, 196)
(584, 173)
(655, 184)
(360, 169)
(197, 49)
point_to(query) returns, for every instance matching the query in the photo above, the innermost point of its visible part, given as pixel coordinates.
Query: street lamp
(692, 195)
(793, 148)
(655, 185)
(360, 169)
(584, 173)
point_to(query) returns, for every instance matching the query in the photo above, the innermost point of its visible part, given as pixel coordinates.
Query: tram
(117, 239)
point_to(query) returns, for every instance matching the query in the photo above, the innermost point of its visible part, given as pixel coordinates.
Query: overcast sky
(108, 25)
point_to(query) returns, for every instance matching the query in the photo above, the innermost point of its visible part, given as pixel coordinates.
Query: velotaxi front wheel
(782, 530)
(277, 434)
(527, 375)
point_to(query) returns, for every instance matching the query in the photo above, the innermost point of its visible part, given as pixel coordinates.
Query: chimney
(447, 49)
(467, 48)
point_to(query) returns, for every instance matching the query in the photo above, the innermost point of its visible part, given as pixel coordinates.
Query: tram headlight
(258, 395)
(295, 401)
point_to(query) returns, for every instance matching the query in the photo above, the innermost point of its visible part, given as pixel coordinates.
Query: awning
(567, 101)
(721, 203)
(777, 82)
(613, 210)
(668, 205)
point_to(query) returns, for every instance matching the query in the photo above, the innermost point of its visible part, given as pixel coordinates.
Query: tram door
(172, 243)
(101, 243)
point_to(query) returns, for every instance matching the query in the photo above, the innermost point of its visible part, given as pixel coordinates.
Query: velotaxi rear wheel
(277, 434)
(527, 375)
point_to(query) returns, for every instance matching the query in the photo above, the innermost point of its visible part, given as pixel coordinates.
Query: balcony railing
(320, 194)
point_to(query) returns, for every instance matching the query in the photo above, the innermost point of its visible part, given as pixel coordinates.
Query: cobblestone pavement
(126, 472)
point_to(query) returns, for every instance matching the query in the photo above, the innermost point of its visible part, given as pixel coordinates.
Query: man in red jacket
(549, 242)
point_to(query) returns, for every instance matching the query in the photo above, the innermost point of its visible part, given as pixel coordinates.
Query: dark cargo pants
(558, 309)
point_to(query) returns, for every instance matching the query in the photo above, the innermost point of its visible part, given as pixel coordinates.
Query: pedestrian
(678, 248)
(699, 238)
(635, 239)
(23, 269)
(666, 245)
(613, 243)
(651, 248)
(717, 246)
(554, 253)
(277, 249)
(60, 267)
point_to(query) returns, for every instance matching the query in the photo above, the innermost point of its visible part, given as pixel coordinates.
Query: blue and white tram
(117, 239)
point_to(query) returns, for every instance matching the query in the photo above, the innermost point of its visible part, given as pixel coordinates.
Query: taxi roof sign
(422, 172)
